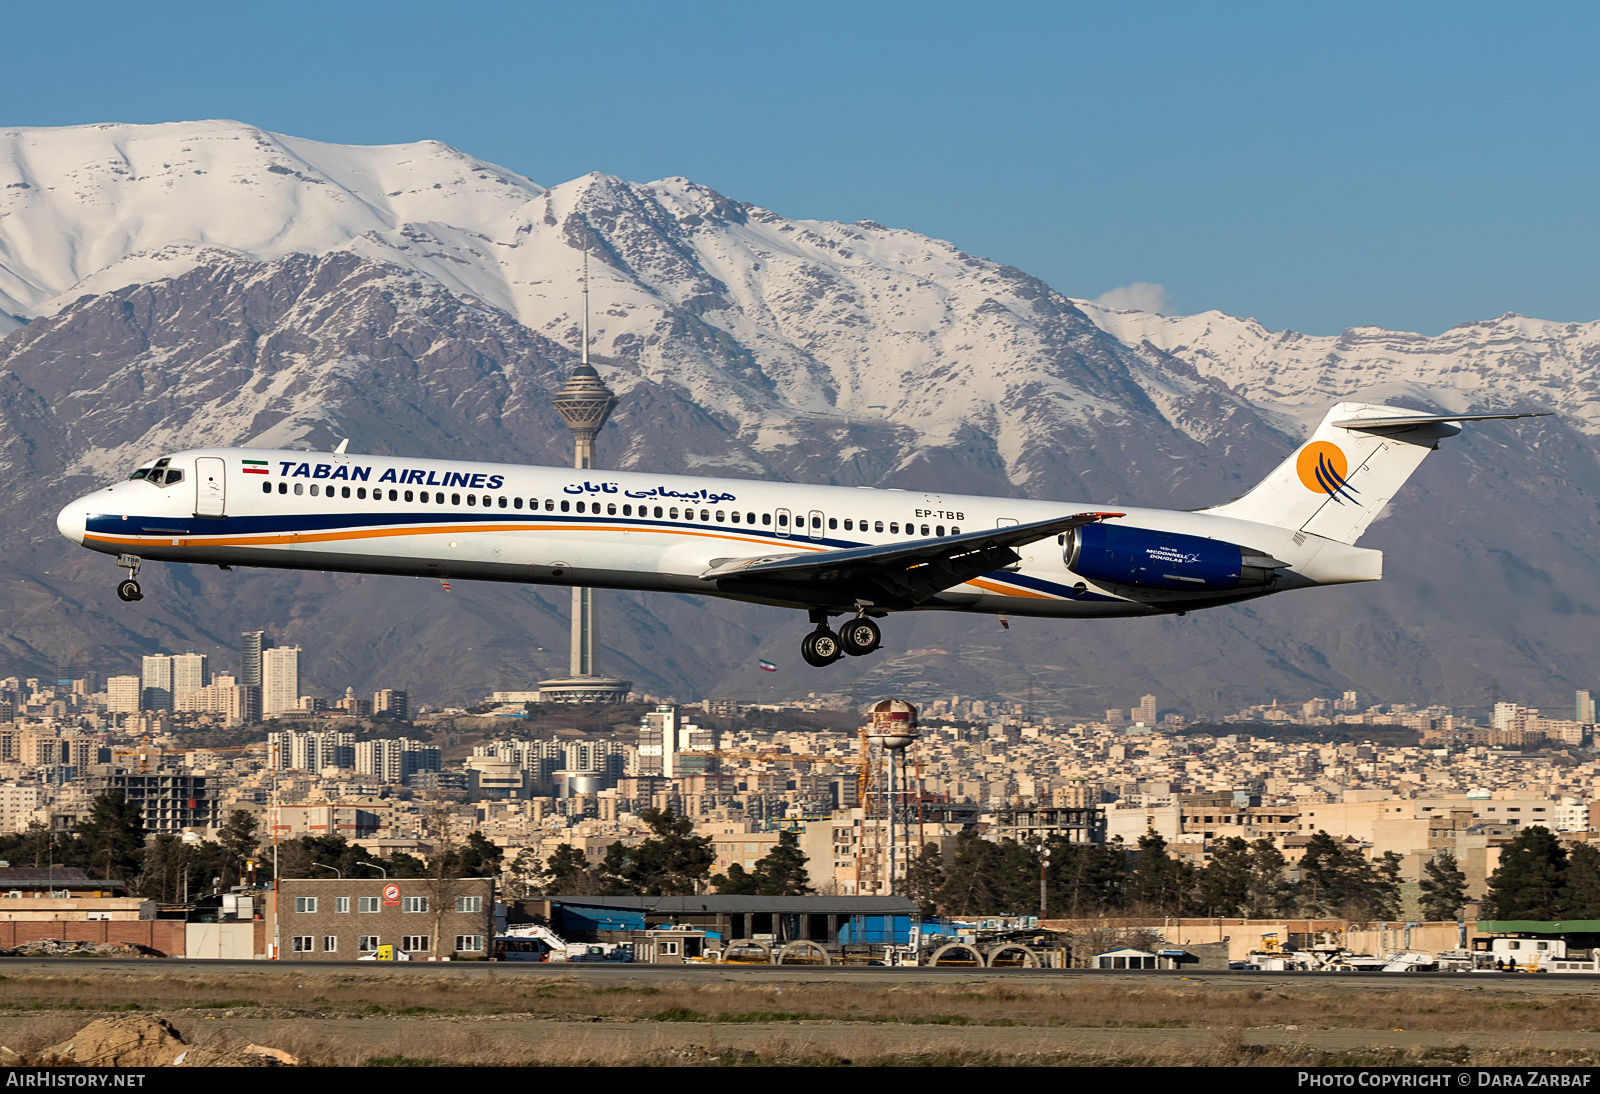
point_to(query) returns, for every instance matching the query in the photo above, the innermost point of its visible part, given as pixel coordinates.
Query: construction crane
(144, 754)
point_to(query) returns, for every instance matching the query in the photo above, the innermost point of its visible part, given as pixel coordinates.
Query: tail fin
(1339, 481)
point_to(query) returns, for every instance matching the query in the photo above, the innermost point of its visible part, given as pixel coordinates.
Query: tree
(1444, 887)
(1086, 878)
(737, 882)
(925, 877)
(1530, 881)
(1582, 898)
(1385, 886)
(673, 863)
(1160, 882)
(1336, 879)
(1225, 883)
(1270, 893)
(567, 871)
(111, 838)
(239, 842)
(782, 870)
(989, 878)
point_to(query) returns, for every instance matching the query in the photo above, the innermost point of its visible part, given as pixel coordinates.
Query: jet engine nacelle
(1119, 555)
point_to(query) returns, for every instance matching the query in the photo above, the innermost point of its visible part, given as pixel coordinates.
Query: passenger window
(673, 513)
(549, 506)
(283, 488)
(832, 523)
(344, 491)
(783, 520)
(924, 529)
(720, 516)
(566, 506)
(394, 495)
(894, 528)
(361, 492)
(627, 510)
(299, 488)
(736, 516)
(954, 531)
(455, 499)
(580, 507)
(266, 488)
(766, 518)
(938, 530)
(658, 510)
(313, 489)
(408, 495)
(877, 526)
(611, 509)
(515, 504)
(502, 503)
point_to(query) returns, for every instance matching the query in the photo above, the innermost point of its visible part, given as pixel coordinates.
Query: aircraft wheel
(860, 637)
(820, 648)
(129, 590)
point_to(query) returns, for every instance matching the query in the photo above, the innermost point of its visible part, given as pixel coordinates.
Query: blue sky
(1316, 166)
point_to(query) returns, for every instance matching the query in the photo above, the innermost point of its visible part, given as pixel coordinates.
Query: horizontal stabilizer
(1338, 482)
(1431, 419)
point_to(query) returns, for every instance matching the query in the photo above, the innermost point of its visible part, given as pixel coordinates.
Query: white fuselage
(613, 529)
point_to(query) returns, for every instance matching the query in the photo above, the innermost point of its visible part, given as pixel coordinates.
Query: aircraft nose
(73, 520)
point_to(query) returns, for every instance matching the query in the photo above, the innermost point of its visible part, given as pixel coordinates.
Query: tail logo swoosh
(1323, 469)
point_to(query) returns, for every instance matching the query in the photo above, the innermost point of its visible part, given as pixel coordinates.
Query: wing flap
(897, 574)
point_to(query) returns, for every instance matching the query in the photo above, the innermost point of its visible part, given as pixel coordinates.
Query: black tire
(821, 648)
(129, 590)
(860, 637)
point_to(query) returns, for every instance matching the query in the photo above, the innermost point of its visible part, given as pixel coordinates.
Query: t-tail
(1339, 481)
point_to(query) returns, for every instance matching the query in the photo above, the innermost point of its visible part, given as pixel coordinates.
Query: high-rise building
(395, 761)
(1146, 710)
(392, 703)
(1585, 707)
(157, 683)
(251, 645)
(124, 694)
(280, 680)
(664, 734)
(311, 751)
(190, 673)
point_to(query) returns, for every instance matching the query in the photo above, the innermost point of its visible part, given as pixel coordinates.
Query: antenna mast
(586, 301)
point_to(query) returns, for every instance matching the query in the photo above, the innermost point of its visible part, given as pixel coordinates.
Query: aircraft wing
(898, 575)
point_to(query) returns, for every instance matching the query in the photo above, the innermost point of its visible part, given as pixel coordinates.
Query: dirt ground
(488, 1015)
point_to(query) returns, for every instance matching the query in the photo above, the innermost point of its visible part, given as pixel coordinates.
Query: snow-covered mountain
(212, 283)
(1512, 360)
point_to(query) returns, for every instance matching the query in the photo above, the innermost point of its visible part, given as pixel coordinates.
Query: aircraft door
(815, 531)
(209, 489)
(782, 527)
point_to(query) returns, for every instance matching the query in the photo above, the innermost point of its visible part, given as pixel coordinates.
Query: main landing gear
(128, 587)
(822, 647)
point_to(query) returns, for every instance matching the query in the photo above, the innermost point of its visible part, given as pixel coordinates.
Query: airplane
(857, 553)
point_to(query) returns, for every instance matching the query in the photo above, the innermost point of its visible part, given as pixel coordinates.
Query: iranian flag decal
(255, 467)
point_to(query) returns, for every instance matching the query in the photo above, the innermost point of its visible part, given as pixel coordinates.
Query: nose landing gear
(128, 588)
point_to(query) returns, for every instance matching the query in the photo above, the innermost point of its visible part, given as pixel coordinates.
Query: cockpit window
(158, 473)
